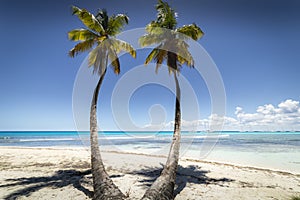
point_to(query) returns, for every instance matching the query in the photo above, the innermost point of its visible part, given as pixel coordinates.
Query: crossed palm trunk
(163, 186)
(104, 188)
(100, 31)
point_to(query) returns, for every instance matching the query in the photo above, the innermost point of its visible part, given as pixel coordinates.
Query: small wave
(47, 139)
(293, 140)
(126, 137)
(206, 136)
(162, 137)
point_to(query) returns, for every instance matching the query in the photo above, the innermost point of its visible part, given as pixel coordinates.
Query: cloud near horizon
(283, 117)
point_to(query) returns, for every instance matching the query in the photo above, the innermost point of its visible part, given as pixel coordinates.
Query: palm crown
(101, 31)
(172, 46)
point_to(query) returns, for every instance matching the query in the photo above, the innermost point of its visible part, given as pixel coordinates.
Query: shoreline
(183, 158)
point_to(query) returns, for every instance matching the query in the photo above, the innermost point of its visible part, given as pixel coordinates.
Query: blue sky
(255, 45)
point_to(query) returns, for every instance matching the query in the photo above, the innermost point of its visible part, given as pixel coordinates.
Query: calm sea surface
(276, 150)
(241, 140)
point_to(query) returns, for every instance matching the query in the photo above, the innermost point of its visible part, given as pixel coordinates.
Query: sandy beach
(63, 173)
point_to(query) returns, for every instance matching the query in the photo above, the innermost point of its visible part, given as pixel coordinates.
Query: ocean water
(274, 150)
(268, 141)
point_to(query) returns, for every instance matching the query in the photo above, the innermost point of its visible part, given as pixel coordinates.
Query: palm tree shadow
(60, 179)
(189, 174)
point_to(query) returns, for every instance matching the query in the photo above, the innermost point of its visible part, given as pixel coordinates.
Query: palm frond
(193, 31)
(101, 39)
(151, 56)
(113, 57)
(82, 47)
(98, 31)
(151, 39)
(103, 17)
(183, 54)
(93, 56)
(116, 23)
(154, 28)
(160, 57)
(172, 44)
(81, 35)
(120, 45)
(88, 19)
(166, 16)
(98, 59)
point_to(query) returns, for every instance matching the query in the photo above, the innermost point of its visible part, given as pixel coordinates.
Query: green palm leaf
(81, 35)
(165, 15)
(151, 56)
(172, 46)
(154, 28)
(88, 19)
(113, 57)
(102, 17)
(150, 39)
(160, 57)
(116, 23)
(97, 59)
(184, 56)
(192, 31)
(120, 45)
(82, 47)
(99, 29)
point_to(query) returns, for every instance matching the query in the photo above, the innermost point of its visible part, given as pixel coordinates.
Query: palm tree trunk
(104, 188)
(163, 187)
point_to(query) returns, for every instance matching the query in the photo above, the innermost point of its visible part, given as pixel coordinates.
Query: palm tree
(173, 49)
(100, 31)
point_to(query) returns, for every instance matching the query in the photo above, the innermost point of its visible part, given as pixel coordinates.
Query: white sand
(53, 173)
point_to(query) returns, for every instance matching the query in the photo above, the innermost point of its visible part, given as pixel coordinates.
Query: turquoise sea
(74, 138)
(275, 150)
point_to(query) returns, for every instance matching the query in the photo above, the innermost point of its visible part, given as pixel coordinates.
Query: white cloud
(289, 106)
(238, 110)
(283, 117)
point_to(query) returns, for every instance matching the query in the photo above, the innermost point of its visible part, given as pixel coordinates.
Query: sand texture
(64, 173)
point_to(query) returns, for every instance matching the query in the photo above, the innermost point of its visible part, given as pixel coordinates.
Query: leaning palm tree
(173, 49)
(100, 33)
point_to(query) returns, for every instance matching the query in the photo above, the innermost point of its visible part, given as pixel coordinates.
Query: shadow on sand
(189, 174)
(62, 178)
